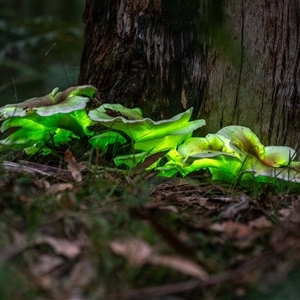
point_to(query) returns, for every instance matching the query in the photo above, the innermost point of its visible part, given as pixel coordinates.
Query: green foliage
(234, 153)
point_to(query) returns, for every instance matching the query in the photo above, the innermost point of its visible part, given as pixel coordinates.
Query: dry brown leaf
(204, 202)
(180, 264)
(42, 183)
(261, 223)
(59, 187)
(74, 167)
(233, 230)
(46, 264)
(138, 252)
(69, 249)
(19, 244)
(234, 209)
(285, 212)
(141, 167)
(171, 208)
(81, 274)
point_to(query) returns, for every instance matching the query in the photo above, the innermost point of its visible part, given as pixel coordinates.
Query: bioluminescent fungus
(54, 118)
(234, 152)
(139, 129)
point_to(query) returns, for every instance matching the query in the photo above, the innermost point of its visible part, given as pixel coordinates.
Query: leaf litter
(76, 232)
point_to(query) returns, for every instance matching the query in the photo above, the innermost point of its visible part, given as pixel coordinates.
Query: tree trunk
(234, 61)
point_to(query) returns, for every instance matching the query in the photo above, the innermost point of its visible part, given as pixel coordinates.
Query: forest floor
(103, 233)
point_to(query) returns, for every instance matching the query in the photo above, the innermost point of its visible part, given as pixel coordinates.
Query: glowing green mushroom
(210, 146)
(247, 141)
(139, 129)
(101, 141)
(73, 98)
(161, 144)
(130, 160)
(222, 167)
(232, 152)
(174, 165)
(56, 118)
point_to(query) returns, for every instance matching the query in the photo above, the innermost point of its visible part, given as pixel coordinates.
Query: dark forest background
(40, 46)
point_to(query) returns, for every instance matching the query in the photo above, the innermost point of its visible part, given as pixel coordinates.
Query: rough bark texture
(235, 62)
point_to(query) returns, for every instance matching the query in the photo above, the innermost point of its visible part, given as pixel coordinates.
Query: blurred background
(40, 47)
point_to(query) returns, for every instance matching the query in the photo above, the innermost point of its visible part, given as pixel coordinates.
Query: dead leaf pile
(118, 235)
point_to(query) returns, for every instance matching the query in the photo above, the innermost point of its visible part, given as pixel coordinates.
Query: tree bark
(234, 61)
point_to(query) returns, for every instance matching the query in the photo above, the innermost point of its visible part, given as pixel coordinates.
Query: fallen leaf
(59, 187)
(285, 212)
(171, 208)
(204, 202)
(151, 159)
(180, 264)
(46, 263)
(234, 209)
(69, 249)
(74, 167)
(233, 229)
(81, 274)
(261, 223)
(17, 246)
(137, 252)
(42, 184)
